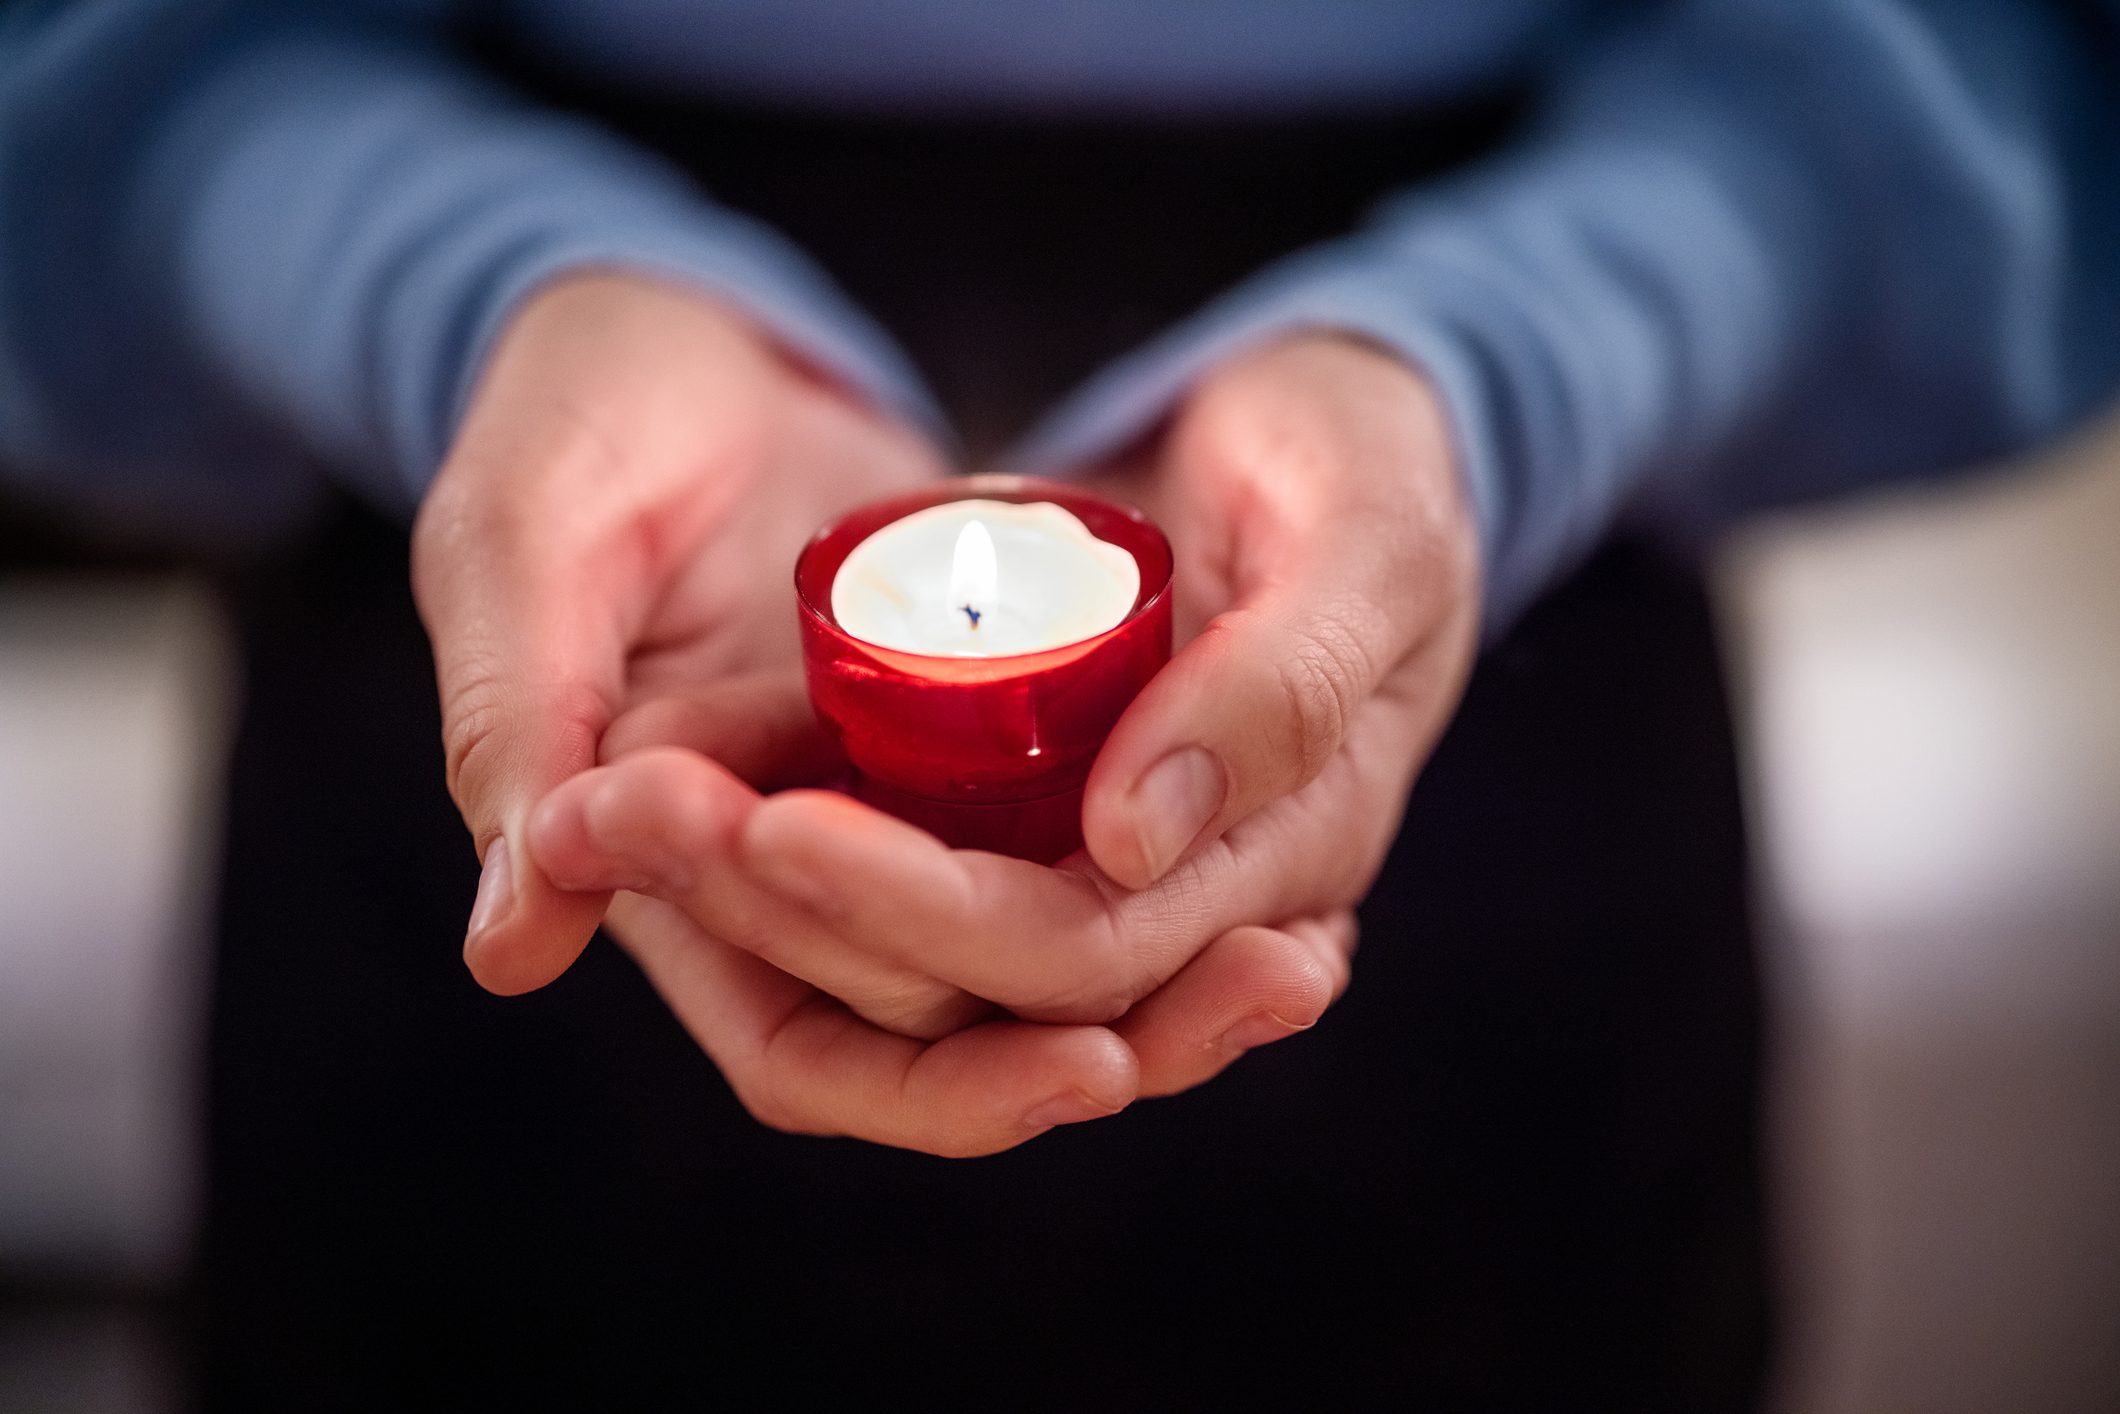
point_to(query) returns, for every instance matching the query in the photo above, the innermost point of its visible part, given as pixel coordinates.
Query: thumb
(1249, 711)
(1254, 708)
(529, 660)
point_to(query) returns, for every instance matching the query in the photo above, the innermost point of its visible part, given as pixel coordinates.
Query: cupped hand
(740, 963)
(1241, 807)
(1328, 558)
(801, 1061)
(611, 537)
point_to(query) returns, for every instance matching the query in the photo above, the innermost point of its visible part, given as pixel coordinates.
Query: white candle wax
(984, 579)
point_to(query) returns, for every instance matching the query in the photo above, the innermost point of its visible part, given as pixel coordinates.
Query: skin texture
(603, 567)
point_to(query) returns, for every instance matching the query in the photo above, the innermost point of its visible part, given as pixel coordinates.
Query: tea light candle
(933, 583)
(970, 647)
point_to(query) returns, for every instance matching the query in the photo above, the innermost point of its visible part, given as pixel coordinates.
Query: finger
(1249, 711)
(801, 1062)
(1042, 942)
(1065, 943)
(663, 822)
(759, 725)
(528, 631)
(1250, 987)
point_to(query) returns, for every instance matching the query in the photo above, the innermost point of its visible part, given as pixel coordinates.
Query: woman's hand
(1242, 806)
(802, 1061)
(1328, 559)
(611, 536)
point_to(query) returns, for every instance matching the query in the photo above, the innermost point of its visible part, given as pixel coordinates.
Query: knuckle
(778, 1081)
(920, 1007)
(967, 1145)
(763, 1088)
(472, 718)
(741, 926)
(481, 708)
(1108, 974)
(1095, 1003)
(1318, 679)
(1181, 914)
(765, 1104)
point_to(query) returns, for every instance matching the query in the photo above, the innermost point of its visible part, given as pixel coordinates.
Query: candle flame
(975, 577)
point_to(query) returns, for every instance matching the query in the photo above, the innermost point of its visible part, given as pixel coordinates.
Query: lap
(1516, 1164)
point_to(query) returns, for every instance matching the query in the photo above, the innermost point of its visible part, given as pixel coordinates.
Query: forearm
(1758, 250)
(320, 226)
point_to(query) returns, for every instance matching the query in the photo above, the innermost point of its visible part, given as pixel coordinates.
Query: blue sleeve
(260, 236)
(1753, 250)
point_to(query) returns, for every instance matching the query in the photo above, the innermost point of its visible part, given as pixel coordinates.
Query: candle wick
(974, 615)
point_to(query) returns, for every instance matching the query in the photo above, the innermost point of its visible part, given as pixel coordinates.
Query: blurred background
(1928, 688)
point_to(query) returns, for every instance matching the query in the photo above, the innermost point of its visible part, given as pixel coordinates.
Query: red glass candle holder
(985, 753)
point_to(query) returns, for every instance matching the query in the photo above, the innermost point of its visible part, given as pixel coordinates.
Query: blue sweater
(1751, 250)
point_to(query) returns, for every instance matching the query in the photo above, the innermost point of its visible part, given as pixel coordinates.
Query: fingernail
(1072, 1108)
(1255, 1031)
(1173, 801)
(495, 888)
